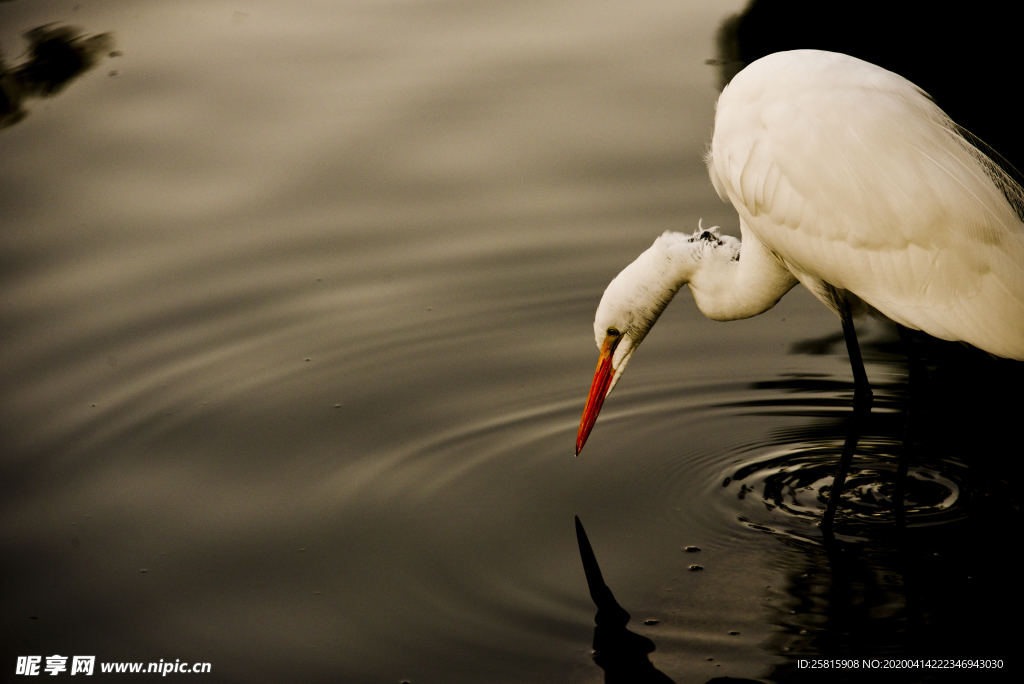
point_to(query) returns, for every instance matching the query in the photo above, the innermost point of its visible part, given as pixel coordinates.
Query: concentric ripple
(788, 489)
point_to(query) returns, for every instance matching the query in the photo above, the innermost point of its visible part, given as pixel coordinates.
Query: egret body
(848, 179)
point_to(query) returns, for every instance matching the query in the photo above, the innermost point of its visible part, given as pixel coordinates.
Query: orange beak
(598, 390)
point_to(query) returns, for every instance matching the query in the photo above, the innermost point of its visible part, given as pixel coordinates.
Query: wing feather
(854, 177)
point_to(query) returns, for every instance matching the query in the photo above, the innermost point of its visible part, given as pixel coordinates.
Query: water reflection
(298, 325)
(896, 580)
(57, 55)
(622, 654)
(906, 571)
(922, 594)
(790, 474)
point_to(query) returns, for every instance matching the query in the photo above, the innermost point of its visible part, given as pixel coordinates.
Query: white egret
(850, 180)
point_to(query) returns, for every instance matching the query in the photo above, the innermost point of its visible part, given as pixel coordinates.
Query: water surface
(297, 304)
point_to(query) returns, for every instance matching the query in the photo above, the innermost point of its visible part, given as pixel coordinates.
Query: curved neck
(725, 286)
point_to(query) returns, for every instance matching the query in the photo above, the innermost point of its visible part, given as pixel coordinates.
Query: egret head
(629, 308)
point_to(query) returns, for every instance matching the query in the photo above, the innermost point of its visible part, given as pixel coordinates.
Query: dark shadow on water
(622, 654)
(948, 592)
(56, 56)
(960, 421)
(925, 572)
(818, 346)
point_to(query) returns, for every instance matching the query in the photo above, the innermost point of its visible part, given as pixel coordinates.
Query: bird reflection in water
(57, 56)
(622, 654)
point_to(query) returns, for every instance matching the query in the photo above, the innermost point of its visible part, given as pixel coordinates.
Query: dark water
(297, 304)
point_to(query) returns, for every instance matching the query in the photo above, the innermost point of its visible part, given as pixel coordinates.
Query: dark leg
(918, 374)
(861, 410)
(861, 388)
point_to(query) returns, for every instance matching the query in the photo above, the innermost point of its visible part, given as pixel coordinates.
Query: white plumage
(849, 179)
(853, 177)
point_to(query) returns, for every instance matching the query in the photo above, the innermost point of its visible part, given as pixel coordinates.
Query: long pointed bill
(598, 390)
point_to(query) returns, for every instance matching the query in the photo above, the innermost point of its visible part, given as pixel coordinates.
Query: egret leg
(861, 411)
(918, 375)
(861, 388)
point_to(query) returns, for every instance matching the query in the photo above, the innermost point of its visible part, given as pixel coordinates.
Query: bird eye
(613, 332)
